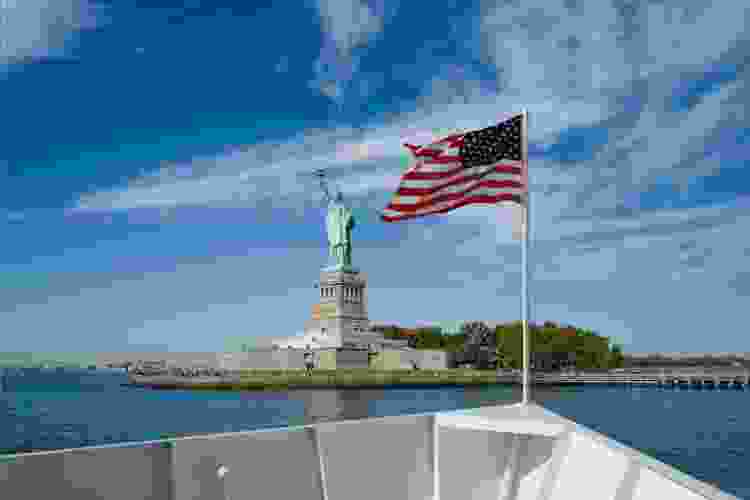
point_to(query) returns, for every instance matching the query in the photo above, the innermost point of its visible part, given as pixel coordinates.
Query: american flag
(481, 166)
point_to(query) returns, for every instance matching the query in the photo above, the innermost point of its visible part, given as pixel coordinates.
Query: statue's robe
(339, 224)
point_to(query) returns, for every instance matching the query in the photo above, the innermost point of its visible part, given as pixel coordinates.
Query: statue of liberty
(339, 225)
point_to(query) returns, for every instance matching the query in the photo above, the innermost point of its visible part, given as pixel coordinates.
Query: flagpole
(525, 260)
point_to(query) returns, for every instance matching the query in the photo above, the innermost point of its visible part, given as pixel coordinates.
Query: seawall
(362, 378)
(298, 379)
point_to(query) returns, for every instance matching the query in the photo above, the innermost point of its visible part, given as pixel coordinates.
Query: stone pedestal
(340, 318)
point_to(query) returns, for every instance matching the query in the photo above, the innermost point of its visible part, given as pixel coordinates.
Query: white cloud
(271, 171)
(40, 28)
(611, 272)
(348, 25)
(599, 52)
(627, 290)
(673, 37)
(639, 287)
(658, 143)
(530, 45)
(598, 46)
(193, 306)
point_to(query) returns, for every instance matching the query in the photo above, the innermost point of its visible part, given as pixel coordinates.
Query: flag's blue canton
(492, 144)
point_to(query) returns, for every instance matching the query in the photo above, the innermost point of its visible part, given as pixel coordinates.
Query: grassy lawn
(273, 379)
(367, 377)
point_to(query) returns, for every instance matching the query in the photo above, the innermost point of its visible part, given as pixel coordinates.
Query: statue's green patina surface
(339, 225)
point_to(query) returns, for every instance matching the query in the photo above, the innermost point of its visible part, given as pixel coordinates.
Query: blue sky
(152, 154)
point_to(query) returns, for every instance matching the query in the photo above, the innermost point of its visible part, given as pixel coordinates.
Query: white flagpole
(525, 260)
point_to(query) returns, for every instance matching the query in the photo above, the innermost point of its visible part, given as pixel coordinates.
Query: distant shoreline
(324, 379)
(369, 379)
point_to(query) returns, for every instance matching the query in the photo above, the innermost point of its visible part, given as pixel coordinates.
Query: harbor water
(701, 432)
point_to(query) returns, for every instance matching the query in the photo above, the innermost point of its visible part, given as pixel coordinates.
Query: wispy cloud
(587, 47)
(347, 25)
(582, 69)
(35, 29)
(647, 143)
(531, 49)
(362, 161)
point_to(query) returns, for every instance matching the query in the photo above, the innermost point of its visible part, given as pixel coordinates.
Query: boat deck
(503, 452)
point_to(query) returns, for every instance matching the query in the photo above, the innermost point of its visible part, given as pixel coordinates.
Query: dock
(701, 379)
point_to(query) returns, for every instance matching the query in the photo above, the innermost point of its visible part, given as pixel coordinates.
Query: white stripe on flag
(423, 164)
(492, 191)
(469, 172)
(458, 188)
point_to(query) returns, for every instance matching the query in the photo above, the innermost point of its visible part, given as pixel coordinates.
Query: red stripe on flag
(405, 191)
(416, 175)
(433, 200)
(435, 155)
(455, 140)
(478, 199)
(428, 176)
(412, 148)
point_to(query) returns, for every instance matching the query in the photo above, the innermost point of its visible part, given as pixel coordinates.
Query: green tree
(391, 331)
(453, 342)
(509, 336)
(429, 338)
(617, 360)
(504, 357)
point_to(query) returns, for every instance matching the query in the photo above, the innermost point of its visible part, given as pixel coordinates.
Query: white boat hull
(500, 453)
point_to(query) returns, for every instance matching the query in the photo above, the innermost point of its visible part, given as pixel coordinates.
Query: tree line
(592, 351)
